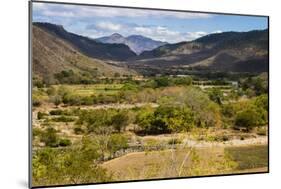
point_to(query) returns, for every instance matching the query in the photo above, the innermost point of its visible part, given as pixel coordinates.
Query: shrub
(78, 130)
(162, 81)
(117, 142)
(183, 81)
(56, 112)
(251, 116)
(41, 115)
(36, 132)
(51, 91)
(174, 141)
(36, 101)
(96, 120)
(120, 121)
(56, 100)
(49, 137)
(216, 95)
(64, 142)
(63, 119)
(261, 131)
(87, 100)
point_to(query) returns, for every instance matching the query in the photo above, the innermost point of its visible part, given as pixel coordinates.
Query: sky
(168, 26)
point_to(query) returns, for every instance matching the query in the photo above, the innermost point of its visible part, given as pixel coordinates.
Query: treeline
(131, 92)
(180, 109)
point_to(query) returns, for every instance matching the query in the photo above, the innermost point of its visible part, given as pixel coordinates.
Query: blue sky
(166, 26)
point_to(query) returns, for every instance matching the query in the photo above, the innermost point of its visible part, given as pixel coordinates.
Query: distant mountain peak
(137, 43)
(116, 35)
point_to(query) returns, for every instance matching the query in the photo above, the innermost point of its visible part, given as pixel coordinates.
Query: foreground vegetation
(80, 129)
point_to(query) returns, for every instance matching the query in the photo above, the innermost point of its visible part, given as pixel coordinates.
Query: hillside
(89, 47)
(137, 43)
(228, 51)
(52, 55)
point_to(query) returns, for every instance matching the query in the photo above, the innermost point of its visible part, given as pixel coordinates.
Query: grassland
(189, 162)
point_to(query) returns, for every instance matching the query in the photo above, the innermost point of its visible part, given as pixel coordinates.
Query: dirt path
(49, 107)
(261, 140)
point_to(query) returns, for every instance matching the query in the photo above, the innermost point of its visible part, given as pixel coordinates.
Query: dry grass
(168, 163)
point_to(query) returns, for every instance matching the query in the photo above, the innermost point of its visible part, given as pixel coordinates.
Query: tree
(49, 137)
(251, 116)
(120, 121)
(162, 81)
(246, 119)
(183, 81)
(216, 95)
(117, 142)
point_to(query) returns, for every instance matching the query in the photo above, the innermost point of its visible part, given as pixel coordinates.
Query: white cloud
(108, 26)
(164, 34)
(160, 33)
(38, 6)
(102, 26)
(195, 35)
(217, 31)
(57, 13)
(91, 11)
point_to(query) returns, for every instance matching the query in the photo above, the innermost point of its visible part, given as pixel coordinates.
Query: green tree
(49, 137)
(216, 95)
(120, 120)
(117, 142)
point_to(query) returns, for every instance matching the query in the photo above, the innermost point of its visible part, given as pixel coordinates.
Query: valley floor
(188, 162)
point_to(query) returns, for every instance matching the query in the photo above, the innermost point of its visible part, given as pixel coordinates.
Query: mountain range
(137, 43)
(227, 51)
(55, 49)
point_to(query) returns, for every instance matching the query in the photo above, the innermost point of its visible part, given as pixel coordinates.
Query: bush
(247, 118)
(165, 119)
(56, 100)
(261, 131)
(162, 81)
(216, 95)
(78, 130)
(117, 142)
(64, 142)
(63, 119)
(96, 120)
(36, 101)
(174, 141)
(51, 91)
(49, 137)
(41, 115)
(120, 121)
(56, 112)
(183, 81)
(36, 132)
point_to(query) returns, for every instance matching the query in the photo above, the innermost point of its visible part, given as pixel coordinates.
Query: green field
(249, 157)
(93, 89)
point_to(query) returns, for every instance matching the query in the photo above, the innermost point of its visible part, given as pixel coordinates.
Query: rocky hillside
(52, 55)
(87, 46)
(228, 51)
